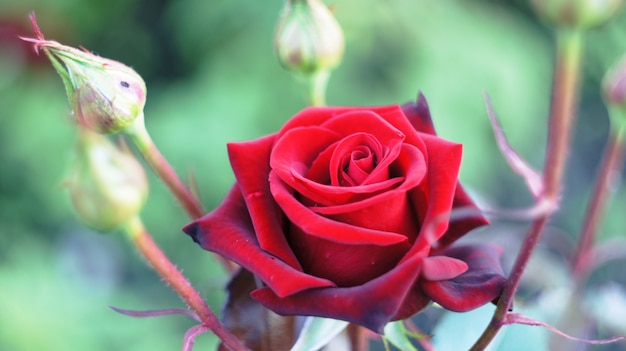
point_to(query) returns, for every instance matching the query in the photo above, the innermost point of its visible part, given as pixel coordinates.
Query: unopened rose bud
(308, 38)
(106, 96)
(614, 85)
(108, 186)
(582, 14)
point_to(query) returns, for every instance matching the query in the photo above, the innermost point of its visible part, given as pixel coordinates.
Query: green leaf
(318, 332)
(398, 336)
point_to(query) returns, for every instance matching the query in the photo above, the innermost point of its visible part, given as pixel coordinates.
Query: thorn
(36, 29)
(156, 313)
(190, 336)
(533, 179)
(517, 318)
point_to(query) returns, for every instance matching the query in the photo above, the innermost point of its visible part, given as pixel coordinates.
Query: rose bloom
(344, 214)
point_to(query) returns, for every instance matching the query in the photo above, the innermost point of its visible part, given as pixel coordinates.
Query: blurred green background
(212, 78)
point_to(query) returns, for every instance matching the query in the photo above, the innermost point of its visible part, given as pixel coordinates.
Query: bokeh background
(212, 77)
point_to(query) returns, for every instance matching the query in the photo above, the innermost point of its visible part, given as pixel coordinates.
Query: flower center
(357, 166)
(354, 159)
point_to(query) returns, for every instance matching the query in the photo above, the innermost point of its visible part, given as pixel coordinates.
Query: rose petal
(286, 159)
(291, 162)
(418, 113)
(314, 224)
(483, 282)
(316, 116)
(398, 214)
(250, 163)
(315, 195)
(458, 228)
(355, 159)
(371, 305)
(410, 168)
(361, 122)
(345, 265)
(393, 114)
(435, 195)
(228, 231)
(437, 268)
(291, 165)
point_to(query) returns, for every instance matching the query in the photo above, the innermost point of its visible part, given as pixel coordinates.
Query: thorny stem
(142, 140)
(612, 163)
(173, 277)
(564, 99)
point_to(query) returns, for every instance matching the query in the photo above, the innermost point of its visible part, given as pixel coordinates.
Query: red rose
(342, 214)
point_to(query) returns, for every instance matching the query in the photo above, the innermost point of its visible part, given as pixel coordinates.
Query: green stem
(142, 140)
(612, 162)
(140, 137)
(564, 99)
(174, 278)
(318, 82)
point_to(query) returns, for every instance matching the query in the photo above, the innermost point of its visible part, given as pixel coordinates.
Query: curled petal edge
(481, 283)
(371, 305)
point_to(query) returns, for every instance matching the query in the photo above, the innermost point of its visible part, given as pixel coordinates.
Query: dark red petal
(314, 194)
(314, 224)
(418, 114)
(434, 197)
(393, 114)
(460, 227)
(228, 231)
(316, 116)
(346, 265)
(371, 305)
(410, 167)
(435, 268)
(316, 149)
(297, 149)
(481, 283)
(354, 161)
(369, 123)
(250, 163)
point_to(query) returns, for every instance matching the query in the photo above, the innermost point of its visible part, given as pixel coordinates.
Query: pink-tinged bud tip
(106, 96)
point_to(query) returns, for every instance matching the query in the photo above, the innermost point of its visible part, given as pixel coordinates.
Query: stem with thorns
(173, 277)
(142, 140)
(564, 99)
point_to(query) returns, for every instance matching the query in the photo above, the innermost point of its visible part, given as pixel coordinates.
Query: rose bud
(582, 14)
(308, 38)
(614, 85)
(106, 96)
(344, 214)
(108, 186)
